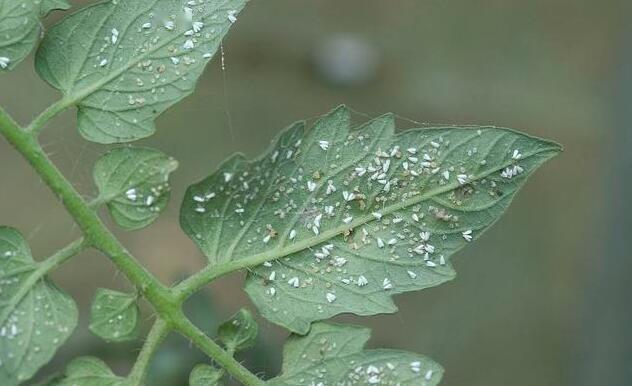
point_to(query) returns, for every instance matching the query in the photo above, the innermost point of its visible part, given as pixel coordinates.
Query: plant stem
(86, 218)
(41, 120)
(62, 255)
(213, 350)
(157, 334)
(99, 236)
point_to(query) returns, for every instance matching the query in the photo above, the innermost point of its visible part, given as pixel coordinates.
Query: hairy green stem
(162, 298)
(86, 218)
(157, 334)
(62, 255)
(51, 112)
(213, 350)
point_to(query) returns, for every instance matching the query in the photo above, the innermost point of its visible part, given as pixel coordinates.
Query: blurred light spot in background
(346, 60)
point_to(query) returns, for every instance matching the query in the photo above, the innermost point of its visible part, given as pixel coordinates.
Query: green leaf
(239, 332)
(353, 217)
(333, 354)
(36, 317)
(114, 315)
(124, 62)
(205, 375)
(20, 28)
(89, 371)
(133, 181)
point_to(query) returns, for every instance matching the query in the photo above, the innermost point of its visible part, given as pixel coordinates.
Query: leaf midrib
(278, 253)
(322, 183)
(27, 285)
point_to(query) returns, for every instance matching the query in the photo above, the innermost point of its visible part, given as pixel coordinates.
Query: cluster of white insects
(360, 203)
(336, 217)
(368, 373)
(192, 33)
(149, 197)
(377, 374)
(189, 45)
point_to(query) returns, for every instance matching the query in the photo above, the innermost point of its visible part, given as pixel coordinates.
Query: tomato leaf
(124, 62)
(114, 315)
(134, 182)
(333, 354)
(239, 332)
(20, 28)
(345, 218)
(205, 375)
(36, 317)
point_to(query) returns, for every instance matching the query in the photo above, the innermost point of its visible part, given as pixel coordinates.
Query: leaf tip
(172, 165)
(341, 111)
(551, 148)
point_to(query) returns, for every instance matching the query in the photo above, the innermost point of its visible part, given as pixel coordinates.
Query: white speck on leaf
(188, 44)
(4, 62)
(114, 37)
(294, 282)
(197, 26)
(231, 16)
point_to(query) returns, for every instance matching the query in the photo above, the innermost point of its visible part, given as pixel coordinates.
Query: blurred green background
(542, 299)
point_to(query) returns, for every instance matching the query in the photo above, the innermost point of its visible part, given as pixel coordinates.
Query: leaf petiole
(157, 334)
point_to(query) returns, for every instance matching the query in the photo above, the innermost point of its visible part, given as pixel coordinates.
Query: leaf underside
(333, 354)
(346, 218)
(134, 182)
(20, 28)
(205, 375)
(239, 332)
(114, 315)
(124, 62)
(36, 317)
(88, 371)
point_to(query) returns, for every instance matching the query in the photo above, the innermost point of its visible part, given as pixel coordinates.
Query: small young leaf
(205, 375)
(89, 371)
(352, 217)
(333, 354)
(20, 28)
(114, 315)
(239, 332)
(124, 62)
(36, 317)
(134, 182)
